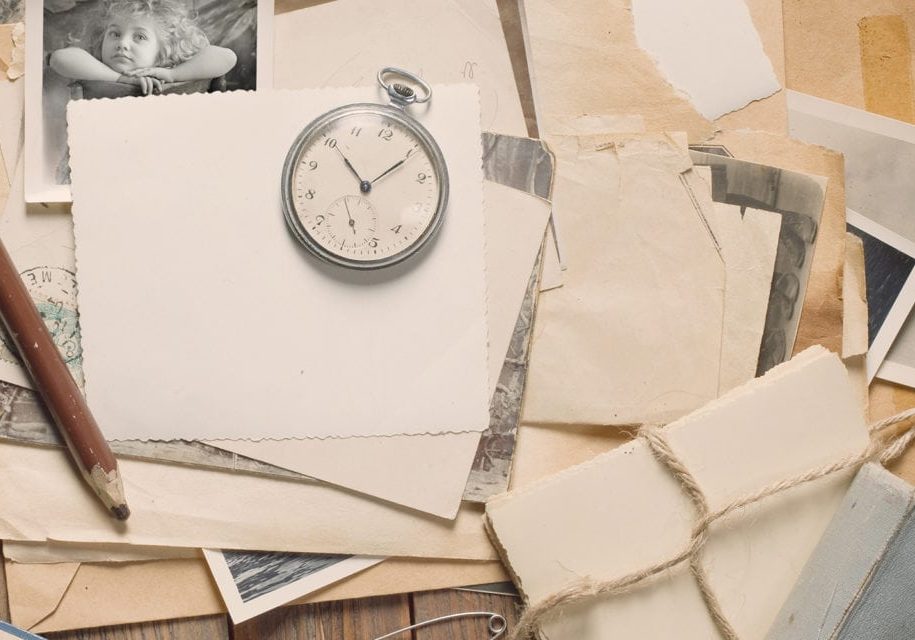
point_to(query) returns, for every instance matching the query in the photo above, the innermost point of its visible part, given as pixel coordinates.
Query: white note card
(202, 317)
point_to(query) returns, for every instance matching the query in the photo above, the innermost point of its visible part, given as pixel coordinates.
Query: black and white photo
(252, 582)
(90, 49)
(889, 267)
(798, 198)
(879, 164)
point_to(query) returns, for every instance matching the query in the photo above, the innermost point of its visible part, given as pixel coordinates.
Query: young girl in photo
(146, 43)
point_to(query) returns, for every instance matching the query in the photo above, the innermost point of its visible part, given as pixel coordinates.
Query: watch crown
(404, 90)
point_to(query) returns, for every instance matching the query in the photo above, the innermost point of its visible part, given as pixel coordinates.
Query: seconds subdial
(351, 222)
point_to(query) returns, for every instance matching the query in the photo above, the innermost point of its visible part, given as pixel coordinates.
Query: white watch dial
(364, 187)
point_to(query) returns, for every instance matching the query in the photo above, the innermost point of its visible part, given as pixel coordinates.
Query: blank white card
(203, 318)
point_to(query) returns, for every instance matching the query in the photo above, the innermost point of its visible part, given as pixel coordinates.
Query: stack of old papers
(633, 239)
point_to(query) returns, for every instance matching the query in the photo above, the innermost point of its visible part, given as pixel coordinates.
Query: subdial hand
(352, 223)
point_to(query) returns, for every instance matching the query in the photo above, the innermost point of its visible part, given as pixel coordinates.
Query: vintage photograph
(253, 582)
(86, 49)
(889, 260)
(11, 11)
(798, 198)
(879, 157)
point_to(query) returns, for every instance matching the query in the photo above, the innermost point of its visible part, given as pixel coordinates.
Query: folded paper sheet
(697, 44)
(584, 59)
(749, 245)
(272, 345)
(623, 511)
(821, 311)
(644, 277)
(442, 40)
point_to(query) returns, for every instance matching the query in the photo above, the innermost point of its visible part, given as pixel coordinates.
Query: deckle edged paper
(801, 415)
(176, 506)
(243, 334)
(707, 49)
(634, 334)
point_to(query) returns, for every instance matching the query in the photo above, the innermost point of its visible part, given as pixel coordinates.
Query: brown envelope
(856, 52)
(55, 597)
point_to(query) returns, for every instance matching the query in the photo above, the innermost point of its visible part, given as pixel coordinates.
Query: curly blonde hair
(180, 37)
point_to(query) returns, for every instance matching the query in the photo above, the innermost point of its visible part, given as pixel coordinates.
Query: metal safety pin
(496, 623)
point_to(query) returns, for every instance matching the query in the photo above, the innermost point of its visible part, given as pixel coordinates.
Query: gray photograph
(120, 48)
(798, 198)
(257, 574)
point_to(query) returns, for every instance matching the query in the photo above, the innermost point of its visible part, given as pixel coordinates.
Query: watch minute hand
(390, 169)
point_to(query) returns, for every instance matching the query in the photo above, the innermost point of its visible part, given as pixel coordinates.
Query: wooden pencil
(62, 397)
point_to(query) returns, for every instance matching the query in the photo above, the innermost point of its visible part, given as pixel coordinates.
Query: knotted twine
(881, 449)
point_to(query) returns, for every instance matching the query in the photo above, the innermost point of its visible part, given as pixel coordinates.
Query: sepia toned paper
(570, 526)
(830, 53)
(175, 506)
(641, 261)
(749, 244)
(584, 59)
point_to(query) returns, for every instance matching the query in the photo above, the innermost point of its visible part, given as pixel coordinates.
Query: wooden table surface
(363, 619)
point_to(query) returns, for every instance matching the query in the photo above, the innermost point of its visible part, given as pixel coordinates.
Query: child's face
(130, 42)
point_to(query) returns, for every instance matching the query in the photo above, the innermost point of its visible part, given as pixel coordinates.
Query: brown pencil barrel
(56, 385)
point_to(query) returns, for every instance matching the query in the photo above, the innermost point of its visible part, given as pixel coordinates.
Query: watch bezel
(300, 231)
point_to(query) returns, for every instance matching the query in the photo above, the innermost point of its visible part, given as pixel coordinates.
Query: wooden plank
(4, 595)
(433, 604)
(206, 628)
(361, 619)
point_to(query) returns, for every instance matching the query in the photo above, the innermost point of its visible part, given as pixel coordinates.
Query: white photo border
(902, 305)
(39, 186)
(240, 610)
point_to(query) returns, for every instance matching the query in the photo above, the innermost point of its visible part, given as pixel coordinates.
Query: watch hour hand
(349, 165)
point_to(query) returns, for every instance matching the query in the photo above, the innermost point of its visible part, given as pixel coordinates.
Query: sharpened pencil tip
(121, 512)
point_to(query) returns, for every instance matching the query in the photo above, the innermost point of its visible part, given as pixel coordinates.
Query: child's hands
(159, 73)
(148, 85)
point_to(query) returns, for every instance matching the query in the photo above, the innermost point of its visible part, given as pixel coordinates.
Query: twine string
(881, 449)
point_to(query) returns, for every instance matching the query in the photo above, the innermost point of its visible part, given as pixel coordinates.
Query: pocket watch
(365, 185)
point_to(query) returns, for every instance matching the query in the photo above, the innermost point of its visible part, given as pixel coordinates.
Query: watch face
(364, 186)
